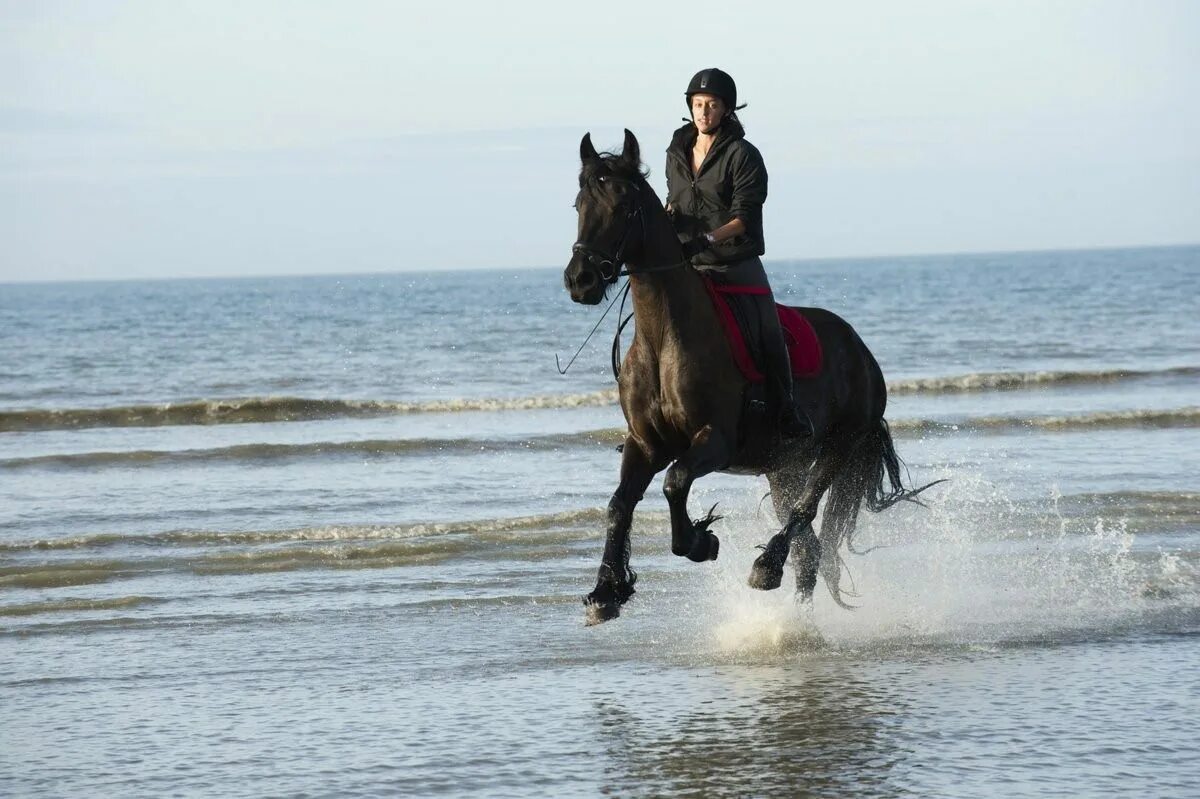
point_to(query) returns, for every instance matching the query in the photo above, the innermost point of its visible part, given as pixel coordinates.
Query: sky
(217, 138)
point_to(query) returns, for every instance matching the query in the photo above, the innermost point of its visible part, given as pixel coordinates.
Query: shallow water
(328, 536)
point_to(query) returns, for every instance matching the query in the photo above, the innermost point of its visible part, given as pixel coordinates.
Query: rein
(620, 269)
(562, 370)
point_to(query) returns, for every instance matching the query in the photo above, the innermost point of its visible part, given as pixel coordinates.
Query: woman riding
(716, 187)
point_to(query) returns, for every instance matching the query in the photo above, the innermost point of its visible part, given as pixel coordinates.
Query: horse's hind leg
(615, 580)
(709, 451)
(787, 490)
(806, 560)
(797, 533)
(787, 484)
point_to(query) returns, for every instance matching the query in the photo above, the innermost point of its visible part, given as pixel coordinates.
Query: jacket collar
(684, 139)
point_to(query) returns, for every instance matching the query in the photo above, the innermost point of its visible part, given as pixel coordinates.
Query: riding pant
(758, 311)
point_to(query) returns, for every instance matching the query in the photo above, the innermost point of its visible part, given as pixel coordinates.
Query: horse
(683, 398)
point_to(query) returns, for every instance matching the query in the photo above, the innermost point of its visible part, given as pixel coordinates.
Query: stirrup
(794, 424)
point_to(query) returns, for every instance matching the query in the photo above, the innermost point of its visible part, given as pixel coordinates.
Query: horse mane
(614, 165)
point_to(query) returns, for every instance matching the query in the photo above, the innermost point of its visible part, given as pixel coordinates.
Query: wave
(320, 449)
(607, 437)
(502, 529)
(104, 558)
(274, 409)
(530, 539)
(1010, 381)
(1100, 420)
(303, 409)
(85, 560)
(60, 574)
(1142, 511)
(67, 605)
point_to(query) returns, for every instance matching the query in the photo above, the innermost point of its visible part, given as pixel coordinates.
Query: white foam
(970, 570)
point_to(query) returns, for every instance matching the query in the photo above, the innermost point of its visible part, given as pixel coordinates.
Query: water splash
(976, 568)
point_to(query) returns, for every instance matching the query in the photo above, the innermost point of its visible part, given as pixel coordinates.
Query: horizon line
(448, 270)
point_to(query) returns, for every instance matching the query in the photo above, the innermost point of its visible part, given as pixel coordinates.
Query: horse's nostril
(585, 280)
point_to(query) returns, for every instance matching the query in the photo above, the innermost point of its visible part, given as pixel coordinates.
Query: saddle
(804, 348)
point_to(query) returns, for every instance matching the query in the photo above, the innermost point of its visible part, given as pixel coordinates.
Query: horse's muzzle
(583, 281)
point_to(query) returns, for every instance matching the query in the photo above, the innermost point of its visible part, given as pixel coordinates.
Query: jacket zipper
(694, 175)
(709, 156)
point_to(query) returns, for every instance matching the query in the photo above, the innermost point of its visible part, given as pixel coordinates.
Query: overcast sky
(160, 139)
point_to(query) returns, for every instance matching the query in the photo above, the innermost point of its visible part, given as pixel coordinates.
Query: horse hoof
(765, 579)
(765, 576)
(705, 547)
(600, 612)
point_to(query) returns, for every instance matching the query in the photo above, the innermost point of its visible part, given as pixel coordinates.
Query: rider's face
(707, 112)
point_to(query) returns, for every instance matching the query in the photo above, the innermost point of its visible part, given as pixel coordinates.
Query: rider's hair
(732, 119)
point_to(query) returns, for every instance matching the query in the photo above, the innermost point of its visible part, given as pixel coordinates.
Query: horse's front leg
(709, 451)
(615, 580)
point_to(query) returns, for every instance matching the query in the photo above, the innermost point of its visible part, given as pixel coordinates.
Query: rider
(716, 186)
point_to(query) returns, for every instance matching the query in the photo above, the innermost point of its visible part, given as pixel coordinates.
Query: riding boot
(793, 422)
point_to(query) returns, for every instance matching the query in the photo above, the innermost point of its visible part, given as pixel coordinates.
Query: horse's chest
(663, 411)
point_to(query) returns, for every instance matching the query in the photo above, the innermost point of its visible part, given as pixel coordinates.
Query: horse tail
(887, 463)
(871, 477)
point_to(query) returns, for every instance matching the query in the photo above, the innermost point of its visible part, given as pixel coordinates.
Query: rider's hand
(693, 247)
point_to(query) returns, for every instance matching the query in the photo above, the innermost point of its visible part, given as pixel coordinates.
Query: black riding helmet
(713, 81)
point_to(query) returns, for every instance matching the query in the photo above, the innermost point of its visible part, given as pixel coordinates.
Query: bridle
(617, 269)
(616, 262)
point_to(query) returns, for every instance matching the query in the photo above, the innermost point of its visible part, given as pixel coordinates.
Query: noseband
(615, 262)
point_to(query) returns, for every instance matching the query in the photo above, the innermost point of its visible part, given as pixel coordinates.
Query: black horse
(683, 399)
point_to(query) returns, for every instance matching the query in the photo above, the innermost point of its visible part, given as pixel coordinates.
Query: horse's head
(611, 222)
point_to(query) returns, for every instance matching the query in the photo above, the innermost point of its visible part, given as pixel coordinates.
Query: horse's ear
(631, 152)
(586, 151)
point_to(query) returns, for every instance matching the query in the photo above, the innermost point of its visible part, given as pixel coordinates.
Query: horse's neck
(668, 301)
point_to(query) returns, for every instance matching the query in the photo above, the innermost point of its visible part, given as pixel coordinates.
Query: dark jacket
(732, 182)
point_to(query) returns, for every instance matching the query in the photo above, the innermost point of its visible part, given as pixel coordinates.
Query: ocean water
(328, 536)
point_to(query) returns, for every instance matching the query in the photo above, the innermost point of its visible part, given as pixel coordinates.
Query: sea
(327, 536)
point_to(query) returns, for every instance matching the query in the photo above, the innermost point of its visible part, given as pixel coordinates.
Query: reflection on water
(783, 731)
(520, 699)
(1091, 717)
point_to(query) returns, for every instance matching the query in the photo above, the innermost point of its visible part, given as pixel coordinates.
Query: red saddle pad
(804, 348)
